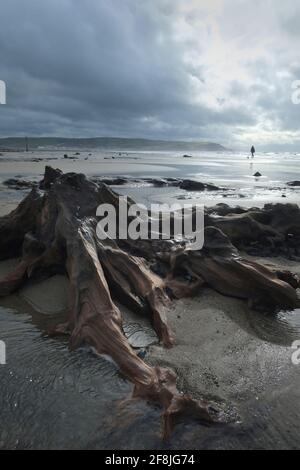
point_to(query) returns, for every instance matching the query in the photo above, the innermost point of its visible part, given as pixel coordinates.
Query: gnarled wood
(57, 231)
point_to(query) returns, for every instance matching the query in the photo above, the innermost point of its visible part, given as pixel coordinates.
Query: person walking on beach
(252, 151)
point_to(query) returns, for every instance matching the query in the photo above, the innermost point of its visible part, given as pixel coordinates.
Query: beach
(232, 170)
(224, 351)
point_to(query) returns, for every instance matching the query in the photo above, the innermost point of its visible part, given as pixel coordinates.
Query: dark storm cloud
(127, 68)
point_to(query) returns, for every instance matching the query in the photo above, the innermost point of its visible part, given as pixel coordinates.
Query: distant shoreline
(115, 143)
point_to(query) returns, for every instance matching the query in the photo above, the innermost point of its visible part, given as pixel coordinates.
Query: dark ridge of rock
(293, 183)
(257, 174)
(188, 185)
(157, 182)
(171, 179)
(19, 184)
(114, 181)
(191, 185)
(187, 156)
(117, 181)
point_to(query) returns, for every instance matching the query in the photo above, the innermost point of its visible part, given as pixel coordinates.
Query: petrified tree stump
(55, 231)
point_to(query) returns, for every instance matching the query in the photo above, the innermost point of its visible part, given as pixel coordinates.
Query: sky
(213, 70)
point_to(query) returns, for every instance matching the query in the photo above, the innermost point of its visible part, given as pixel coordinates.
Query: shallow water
(49, 396)
(282, 329)
(54, 398)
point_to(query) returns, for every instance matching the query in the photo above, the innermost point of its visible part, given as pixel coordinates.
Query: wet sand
(219, 352)
(224, 352)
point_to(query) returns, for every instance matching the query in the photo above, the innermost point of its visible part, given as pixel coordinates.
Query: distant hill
(35, 143)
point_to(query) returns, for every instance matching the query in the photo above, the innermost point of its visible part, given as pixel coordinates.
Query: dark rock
(51, 175)
(118, 181)
(191, 185)
(157, 182)
(294, 183)
(19, 184)
(114, 181)
(173, 180)
(257, 174)
(187, 156)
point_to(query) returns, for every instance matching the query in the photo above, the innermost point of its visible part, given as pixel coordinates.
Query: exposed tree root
(56, 231)
(270, 231)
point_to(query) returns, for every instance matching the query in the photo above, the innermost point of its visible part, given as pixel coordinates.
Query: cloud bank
(219, 70)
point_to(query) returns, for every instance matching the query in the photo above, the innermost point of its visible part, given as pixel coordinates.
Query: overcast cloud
(219, 70)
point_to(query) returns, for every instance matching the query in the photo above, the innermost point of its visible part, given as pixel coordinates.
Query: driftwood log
(54, 230)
